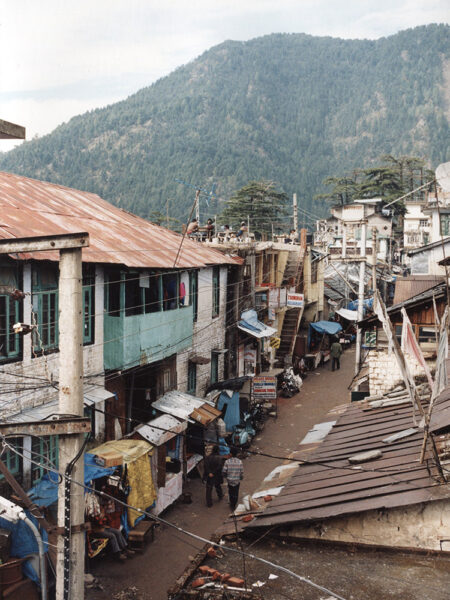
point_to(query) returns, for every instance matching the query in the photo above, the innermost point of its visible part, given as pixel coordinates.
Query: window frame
(12, 341)
(215, 292)
(193, 294)
(214, 372)
(47, 447)
(192, 378)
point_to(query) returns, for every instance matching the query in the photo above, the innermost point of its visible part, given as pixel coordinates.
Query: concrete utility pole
(362, 274)
(294, 202)
(69, 578)
(70, 569)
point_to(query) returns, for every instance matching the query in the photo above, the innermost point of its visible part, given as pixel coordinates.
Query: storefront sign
(295, 300)
(271, 314)
(274, 298)
(264, 387)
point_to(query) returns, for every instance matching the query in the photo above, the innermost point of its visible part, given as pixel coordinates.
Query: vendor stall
(319, 341)
(169, 460)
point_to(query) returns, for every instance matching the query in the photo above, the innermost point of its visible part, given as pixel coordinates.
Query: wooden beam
(54, 427)
(10, 131)
(63, 241)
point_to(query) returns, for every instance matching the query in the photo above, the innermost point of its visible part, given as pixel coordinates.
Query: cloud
(74, 56)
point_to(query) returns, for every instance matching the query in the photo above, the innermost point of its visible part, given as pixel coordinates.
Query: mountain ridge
(292, 108)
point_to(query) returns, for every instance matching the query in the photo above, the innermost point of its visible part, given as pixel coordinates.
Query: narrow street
(153, 571)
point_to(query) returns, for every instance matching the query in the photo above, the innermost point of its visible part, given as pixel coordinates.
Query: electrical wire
(184, 531)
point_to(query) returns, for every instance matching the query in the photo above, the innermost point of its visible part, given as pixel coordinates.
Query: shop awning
(250, 324)
(187, 407)
(160, 430)
(349, 315)
(92, 395)
(329, 327)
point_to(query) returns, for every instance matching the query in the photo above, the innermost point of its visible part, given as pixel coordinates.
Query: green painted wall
(143, 339)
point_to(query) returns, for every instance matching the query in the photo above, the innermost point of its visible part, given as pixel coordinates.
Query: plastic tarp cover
(330, 327)
(232, 416)
(23, 543)
(250, 323)
(349, 315)
(45, 492)
(135, 455)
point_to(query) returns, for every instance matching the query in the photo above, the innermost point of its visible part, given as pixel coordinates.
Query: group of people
(216, 471)
(207, 233)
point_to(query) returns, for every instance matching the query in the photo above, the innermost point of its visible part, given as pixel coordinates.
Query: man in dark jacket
(213, 475)
(335, 351)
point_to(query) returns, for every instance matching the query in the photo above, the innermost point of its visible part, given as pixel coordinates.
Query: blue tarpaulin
(253, 326)
(45, 492)
(329, 327)
(23, 542)
(232, 415)
(367, 304)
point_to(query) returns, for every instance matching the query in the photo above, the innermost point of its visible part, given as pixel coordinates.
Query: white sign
(271, 314)
(274, 298)
(295, 300)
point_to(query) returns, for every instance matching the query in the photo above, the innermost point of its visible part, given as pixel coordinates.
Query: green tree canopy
(260, 203)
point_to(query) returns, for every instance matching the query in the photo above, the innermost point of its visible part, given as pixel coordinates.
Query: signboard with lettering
(295, 300)
(264, 387)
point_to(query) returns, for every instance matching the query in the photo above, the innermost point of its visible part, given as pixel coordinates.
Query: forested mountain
(291, 108)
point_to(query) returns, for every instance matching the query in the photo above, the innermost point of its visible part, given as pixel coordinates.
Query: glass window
(13, 460)
(215, 291)
(214, 367)
(45, 452)
(427, 335)
(88, 303)
(133, 295)
(193, 293)
(9, 341)
(45, 306)
(152, 294)
(170, 291)
(398, 333)
(113, 283)
(445, 224)
(192, 378)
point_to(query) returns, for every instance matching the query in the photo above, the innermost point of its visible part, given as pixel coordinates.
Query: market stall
(319, 341)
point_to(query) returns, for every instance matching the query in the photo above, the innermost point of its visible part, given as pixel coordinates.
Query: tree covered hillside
(291, 108)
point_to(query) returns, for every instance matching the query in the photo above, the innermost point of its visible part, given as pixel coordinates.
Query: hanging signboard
(264, 387)
(271, 314)
(282, 297)
(296, 300)
(274, 298)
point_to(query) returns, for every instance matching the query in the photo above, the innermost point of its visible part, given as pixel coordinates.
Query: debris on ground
(130, 593)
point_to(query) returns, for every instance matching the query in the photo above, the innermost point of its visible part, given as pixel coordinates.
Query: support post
(70, 573)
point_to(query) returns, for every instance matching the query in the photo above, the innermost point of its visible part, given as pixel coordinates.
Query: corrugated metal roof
(161, 430)
(186, 407)
(408, 287)
(321, 491)
(29, 207)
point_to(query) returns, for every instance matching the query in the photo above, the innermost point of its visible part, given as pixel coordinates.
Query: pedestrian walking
(213, 475)
(335, 352)
(233, 472)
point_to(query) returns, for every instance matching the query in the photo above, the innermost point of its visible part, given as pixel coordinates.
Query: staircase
(293, 275)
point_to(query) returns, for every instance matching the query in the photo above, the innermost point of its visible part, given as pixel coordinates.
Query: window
(45, 306)
(170, 291)
(214, 367)
(10, 310)
(423, 223)
(152, 293)
(445, 224)
(215, 291)
(134, 292)
(427, 335)
(44, 451)
(88, 303)
(113, 286)
(193, 293)
(133, 295)
(12, 460)
(9, 341)
(398, 333)
(192, 378)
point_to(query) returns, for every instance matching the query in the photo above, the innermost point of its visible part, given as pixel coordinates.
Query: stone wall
(420, 526)
(384, 372)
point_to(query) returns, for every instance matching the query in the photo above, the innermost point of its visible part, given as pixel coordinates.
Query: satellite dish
(443, 176)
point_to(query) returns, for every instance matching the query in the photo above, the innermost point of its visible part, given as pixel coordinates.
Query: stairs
(292, 275)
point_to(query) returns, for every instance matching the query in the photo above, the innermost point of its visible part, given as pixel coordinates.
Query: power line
(181, 530)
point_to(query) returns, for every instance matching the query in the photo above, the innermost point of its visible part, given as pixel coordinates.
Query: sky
(60, 58)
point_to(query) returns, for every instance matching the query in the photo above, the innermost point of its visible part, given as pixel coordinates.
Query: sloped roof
(29, 207)
(330, 486)
(408, 287)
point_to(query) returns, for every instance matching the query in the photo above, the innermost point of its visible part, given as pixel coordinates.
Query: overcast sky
(61, 58)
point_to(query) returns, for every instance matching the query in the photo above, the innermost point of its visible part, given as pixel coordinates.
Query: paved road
(154, 571)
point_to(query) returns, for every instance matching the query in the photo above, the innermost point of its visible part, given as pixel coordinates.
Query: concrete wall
(208, 334)
(421, 526)
(384, 372)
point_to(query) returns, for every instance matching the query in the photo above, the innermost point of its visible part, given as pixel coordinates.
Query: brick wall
(384, 372)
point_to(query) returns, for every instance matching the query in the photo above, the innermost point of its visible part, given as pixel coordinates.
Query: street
(153, 571)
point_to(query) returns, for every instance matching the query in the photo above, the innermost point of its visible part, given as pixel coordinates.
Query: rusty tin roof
(330, 486)
(29, 207)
